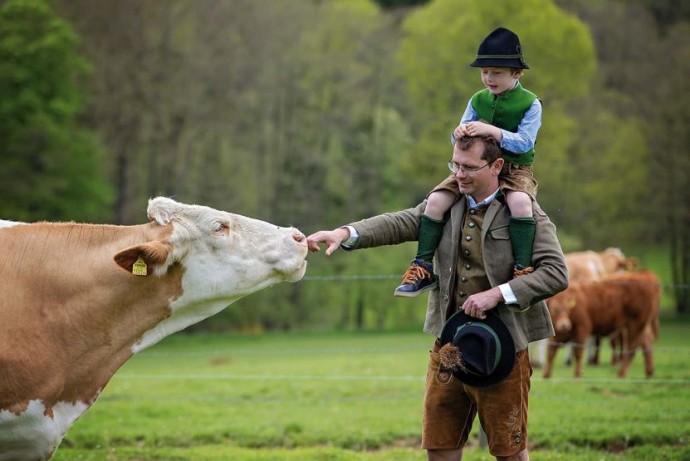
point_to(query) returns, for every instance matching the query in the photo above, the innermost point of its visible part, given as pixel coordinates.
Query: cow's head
(222, 257)
(614, 260)
(560, 306)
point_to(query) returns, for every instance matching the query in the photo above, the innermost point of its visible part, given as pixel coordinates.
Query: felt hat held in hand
(480, 353)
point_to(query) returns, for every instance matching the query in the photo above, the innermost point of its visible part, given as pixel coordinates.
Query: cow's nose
(299, 238)
(563, 326)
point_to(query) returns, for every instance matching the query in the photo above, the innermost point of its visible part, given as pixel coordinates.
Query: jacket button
(464, 279)
(468, 267)
(471, 224)
(468, 238)
(466, 252)
(462, 294)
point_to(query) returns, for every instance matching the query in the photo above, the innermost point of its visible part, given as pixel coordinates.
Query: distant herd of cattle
(608, 297)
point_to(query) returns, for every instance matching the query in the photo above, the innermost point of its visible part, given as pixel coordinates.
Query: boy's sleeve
(526, 136)
(470, 115)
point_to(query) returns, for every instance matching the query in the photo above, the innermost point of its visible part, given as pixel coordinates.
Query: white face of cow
(225, 257)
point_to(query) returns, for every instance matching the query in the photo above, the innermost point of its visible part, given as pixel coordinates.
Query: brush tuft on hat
(450, 357)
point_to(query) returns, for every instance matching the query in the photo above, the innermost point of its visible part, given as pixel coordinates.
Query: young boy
(510, 114)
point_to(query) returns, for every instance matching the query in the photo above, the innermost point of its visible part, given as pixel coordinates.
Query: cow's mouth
(296, 274)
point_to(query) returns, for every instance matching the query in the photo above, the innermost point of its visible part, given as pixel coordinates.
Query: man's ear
(142, 259)
(497, 166)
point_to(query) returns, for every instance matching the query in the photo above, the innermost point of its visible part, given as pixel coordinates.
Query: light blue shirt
(520, 142)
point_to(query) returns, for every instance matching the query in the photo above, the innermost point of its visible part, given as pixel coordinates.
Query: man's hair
(491, 152)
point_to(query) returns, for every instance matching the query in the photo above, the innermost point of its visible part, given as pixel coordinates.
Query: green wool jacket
(506, 112)
(531, 320)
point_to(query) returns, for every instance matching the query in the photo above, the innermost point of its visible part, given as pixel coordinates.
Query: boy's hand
(482, 129)
(460, 131)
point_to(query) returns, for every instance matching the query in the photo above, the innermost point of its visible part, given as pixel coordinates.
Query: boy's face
(499, 79)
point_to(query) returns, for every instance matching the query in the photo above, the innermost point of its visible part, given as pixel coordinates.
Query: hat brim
(497, 62)
(507, 359)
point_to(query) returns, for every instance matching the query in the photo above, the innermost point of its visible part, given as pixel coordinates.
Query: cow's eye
(220, 227)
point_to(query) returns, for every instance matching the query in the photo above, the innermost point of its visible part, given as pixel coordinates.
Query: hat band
(499, 56)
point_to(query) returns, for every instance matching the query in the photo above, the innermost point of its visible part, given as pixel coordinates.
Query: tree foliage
(51, 165)
(318, 113)
(650, 110)
(439, 43)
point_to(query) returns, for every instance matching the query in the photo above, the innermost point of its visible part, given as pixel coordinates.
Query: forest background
(316, 113)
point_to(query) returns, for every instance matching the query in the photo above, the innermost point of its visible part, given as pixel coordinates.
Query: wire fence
(681, 354)
(361, 277)
(372, 378)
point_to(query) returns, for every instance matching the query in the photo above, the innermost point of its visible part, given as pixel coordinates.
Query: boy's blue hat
(501, 48)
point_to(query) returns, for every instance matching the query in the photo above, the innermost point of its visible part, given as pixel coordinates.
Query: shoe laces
(415, 273)
(523, 271)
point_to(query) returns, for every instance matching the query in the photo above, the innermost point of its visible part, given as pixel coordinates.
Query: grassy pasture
(357, 396)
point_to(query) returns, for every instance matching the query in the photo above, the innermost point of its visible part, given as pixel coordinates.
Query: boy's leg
(522, 229)
(420, 275)
(522, 238)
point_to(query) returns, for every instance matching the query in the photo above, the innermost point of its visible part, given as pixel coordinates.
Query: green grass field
(357, 396)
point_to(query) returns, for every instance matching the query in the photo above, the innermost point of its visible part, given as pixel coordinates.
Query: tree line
(316, 113)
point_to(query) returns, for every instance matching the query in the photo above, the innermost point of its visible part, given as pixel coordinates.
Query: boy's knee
(438, 203)
(520, 204)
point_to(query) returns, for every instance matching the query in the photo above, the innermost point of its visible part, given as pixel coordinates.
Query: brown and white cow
(78, 300)
(625, 304)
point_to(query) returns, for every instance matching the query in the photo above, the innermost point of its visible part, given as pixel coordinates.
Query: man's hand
(477, 304)
(332, 239)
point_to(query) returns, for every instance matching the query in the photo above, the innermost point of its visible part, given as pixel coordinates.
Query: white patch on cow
(34, 436)
(594, 269)
(4, 223)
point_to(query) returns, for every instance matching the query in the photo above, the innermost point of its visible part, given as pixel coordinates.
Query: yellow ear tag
(139, 267)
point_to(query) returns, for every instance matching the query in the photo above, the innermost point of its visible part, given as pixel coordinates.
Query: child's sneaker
(418, 279)
(521, 270)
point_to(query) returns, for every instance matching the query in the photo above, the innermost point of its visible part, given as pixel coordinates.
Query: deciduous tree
(51, 165)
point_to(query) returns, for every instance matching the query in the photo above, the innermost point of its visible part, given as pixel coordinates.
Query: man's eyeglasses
(455, 168)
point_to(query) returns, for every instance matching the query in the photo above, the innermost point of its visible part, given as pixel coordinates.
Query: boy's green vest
(506, 111)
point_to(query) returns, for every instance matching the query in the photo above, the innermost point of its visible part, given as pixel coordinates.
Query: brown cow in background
(625, 304)
(587, 266)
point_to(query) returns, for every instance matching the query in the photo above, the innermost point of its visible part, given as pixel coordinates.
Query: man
(475, 264)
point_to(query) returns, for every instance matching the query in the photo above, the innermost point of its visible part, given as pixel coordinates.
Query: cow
(587, 266)
(78, 300)
(623, 304)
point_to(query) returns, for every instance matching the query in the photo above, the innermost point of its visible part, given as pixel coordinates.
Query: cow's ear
(141, 259)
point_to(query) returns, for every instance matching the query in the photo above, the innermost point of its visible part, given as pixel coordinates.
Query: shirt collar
(473, 204)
